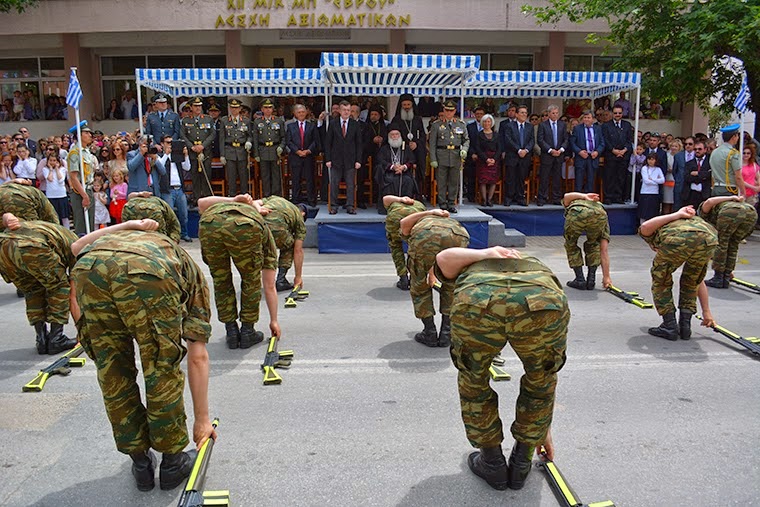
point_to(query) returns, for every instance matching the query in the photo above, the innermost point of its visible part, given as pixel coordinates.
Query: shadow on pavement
(388, 294)
(413, 357)
(681, 351)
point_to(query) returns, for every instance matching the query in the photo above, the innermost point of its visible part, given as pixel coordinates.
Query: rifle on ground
(275, 359)
(629, 297)
(295, 295)
(61, 366)
(747, 285)
(497, 373)
(560, 487)
(752, 344)
(194, 495)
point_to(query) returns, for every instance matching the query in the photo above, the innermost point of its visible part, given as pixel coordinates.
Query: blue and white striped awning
(395, 74)
(221, 82)
(547, 84)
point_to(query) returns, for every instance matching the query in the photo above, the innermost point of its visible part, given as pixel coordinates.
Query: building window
(30, 87)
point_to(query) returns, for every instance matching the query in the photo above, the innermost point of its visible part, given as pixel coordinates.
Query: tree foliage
(685, 49)
(17, 5)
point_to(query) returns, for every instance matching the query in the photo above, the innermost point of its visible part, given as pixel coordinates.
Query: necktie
(300, 127)
(163, 115)
(590, 138)
(147, 170)
(554, 133)
(522, 141)
(343, 123)
(617, 124)
(699, 164)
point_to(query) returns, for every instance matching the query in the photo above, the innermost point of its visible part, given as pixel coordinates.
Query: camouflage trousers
(732, 229)
(576, 223)
(694, 252)
(235, 237)
(533, 320)
(41, 275)
(127, 298)
(285, 242)
(423, 247)
(396, 245)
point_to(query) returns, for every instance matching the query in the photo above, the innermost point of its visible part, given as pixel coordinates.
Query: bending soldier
(584, 213)
(503, 298)
(286, 222)
(145, 205)
(399, 208)
(26, 202)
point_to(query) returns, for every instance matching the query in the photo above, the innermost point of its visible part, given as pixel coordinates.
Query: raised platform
(549, 220)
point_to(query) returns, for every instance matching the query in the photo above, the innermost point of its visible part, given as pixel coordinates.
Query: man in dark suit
(302, 142)
(618, 146)
(697, 178)
(653, 146)
(322, 122)
(679, 170)
(554, 143)
(473, 129)
(516, 142)
(409, 122)
(587, 142)
(343, 156)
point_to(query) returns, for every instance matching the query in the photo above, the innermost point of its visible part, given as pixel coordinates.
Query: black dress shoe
(522, 203)
(453, 210)
(540, 203)
(361, 205)
(351, 211)
(333, 211)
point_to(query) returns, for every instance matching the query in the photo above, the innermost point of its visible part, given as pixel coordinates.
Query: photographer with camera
(145, 170)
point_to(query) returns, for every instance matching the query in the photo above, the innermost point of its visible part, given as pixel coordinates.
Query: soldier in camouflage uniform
(427, 233)
(197, 131)
(502, 298)
(36, 256)
(286, 222)
(231, 228)
(268, 145)
(235, 141)
(735, 220)
(449, 144)
(145, 205)
(678, 238)
(26, 202)
(584, 213)
(399, 208)
(135, 285)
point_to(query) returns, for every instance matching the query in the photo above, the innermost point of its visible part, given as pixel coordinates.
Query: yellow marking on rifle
(37, 384)
(497, 374)
(561, 483)
(271, 376)
(605, 503)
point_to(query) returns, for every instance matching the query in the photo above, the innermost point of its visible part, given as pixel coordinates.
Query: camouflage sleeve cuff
(196, 329)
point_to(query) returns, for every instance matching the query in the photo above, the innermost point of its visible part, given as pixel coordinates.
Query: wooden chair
(569, 182)
(219, 187)
(498, 194)
(368, 184)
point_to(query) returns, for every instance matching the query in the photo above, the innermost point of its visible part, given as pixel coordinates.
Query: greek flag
(74, 93)
(741, 100)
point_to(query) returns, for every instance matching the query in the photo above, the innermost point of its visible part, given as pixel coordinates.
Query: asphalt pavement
(368, 417)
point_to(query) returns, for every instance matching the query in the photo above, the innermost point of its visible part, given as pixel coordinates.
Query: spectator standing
(171, 184)
(114, 112)
(30, 143)
(554, 142)
(119, 193)
(6, 168)
(26, 166)
(697, 177)
(162, 121)
(587, 142)
(144, 169)
(54, 174)
(516, 145)
(102, 217)
(624, 104)
(680, 160)
(128, 104)
(651, 179)
(488, 162)
(668, 188)
(751, 174)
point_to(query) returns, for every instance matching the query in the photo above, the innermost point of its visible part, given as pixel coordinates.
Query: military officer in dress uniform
(268, 145)
(198, 133)
(448, 148)
(214, 112)
(235, 141)
(162, 121)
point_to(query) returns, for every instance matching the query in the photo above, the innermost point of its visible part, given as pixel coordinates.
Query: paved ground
(367, 417)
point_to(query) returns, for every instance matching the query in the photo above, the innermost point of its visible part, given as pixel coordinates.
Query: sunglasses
(18, 138)
(3, 142)
(689, 144)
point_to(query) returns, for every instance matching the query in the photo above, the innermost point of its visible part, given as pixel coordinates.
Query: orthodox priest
(394, 169)
(409, 123)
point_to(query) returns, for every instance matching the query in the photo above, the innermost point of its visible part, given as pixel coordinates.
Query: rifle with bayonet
(275, 359)
(61, 366)
(295, 295)
(194, 495)
(629, 297)
(752, 344)
(562, 489)
(747, 285)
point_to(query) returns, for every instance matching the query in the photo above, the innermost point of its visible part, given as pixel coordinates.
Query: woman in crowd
(751, 173)
(488, 165)
(668, 187)
(114, 111)
(66, 142)
(104, 157)
(118, 158)
(42, 145)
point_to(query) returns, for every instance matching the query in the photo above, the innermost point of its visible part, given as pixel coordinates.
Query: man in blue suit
(516, 141)
(554, 143)
(162, 122)
(587, 142)
(145, 170)
(301, 139)
(679, 170)
(473, 128)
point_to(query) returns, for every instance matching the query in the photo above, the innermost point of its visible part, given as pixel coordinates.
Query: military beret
(267, 103)
(728, 129)
(450, 105)
(235, 103)
(197, 101)
(82, 124)
(159, 97)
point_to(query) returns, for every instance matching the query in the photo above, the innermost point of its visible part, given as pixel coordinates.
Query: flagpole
(81, 164)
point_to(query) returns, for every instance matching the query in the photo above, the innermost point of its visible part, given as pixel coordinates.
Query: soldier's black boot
(57, 341)
(233, 335)
(684, 323)
(249, 336)
(429, 335)
(489, 464)
(591, 278)
(444, 336)
(668, 329)
(579, 282)
(519, 465)
(403, 282)
(144, 469)
(175, 468)
(727, 277)
(40, 328)
(282, 284)
(717, 281)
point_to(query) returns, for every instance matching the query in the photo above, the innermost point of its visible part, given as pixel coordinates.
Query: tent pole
(139, 109)
(635, 137)
(461, 165)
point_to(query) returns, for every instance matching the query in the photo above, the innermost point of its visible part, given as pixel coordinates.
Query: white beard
(407, 115)
(395, 143)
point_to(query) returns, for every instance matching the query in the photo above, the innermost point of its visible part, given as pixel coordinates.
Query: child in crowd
(6, 168)
(102, 217)
(5, 115)
(26, 166)
(118, 194)
(651, 179)
(55, 190)
(634, 170)
(18, 105)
